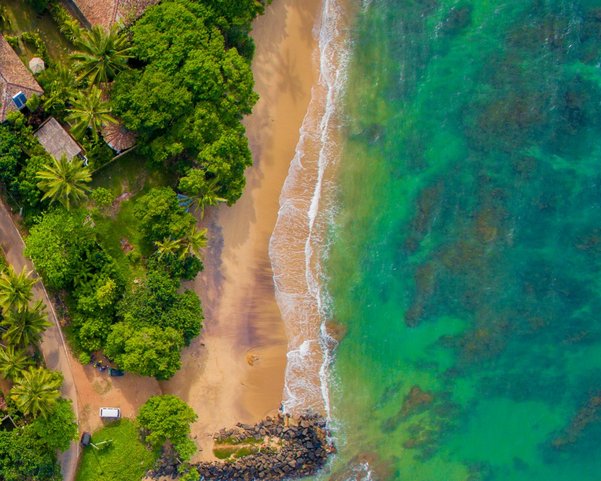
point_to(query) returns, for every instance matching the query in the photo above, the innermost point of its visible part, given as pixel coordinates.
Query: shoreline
(234, 372)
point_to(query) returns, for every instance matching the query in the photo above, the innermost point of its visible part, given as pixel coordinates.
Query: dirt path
(53, 345)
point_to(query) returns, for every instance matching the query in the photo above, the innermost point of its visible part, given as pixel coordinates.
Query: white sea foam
(296, 245)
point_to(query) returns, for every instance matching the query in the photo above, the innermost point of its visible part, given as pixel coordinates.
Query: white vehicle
(110, 413)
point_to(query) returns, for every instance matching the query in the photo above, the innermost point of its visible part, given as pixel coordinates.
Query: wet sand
(234, 372)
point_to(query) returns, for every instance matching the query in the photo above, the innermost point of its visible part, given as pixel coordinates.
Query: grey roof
(56, 140)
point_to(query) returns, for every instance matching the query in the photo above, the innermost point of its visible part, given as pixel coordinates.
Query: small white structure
(110, 413)
(37, 65)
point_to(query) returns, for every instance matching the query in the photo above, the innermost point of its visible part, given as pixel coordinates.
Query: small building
(17, 83)
(108, 12)
(57, 141)
(118, 137)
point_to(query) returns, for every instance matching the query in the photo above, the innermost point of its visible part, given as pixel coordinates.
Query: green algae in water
(471, 287)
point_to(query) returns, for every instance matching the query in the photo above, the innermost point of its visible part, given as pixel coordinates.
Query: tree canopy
(58, 243)
(168, 418)
(187, 100)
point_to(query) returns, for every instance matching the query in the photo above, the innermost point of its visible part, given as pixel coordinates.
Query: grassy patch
(23, 18)
(130, 173)
(238, 450)
(224, 453)
(126, 459)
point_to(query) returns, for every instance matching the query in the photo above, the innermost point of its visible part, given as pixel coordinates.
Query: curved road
(53, 345)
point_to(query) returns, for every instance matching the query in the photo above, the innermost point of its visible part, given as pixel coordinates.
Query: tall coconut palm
(203, 191)
(168, 246)
(25, 327)
(88, 111)
(207, 196)
(102, 54)
(15, 289)
(64, 181)
(36, 391)
(194, 241)
(59, 84)
(13, 362)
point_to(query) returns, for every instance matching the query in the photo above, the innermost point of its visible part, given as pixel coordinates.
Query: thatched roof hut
(57, 141)
(118, 137)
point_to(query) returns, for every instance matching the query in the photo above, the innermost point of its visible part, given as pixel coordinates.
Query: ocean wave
(297, 243)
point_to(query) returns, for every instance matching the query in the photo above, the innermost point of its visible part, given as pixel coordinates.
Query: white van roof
(110, 412)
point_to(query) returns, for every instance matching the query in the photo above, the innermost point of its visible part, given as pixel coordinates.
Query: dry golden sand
(235, 371)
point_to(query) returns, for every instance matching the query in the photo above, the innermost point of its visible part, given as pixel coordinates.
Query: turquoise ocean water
(465, 245)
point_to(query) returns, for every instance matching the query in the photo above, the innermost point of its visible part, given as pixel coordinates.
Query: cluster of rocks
(301, 449)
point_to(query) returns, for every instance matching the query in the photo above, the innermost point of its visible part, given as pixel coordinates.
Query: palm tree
(59, 85)
(35, 393)
(89, 111)
(25, 327)
(207, 196)
(168, 246)
(15, 289)
(194, 242)
(102, 54)
(64, 181)
(13, 362)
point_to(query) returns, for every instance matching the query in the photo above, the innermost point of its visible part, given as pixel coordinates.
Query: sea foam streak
(296, 245)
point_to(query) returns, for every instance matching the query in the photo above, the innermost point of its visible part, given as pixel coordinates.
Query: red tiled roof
(14, 78)
(108, 12)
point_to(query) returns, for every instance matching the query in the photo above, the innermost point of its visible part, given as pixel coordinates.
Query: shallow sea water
(465, 253)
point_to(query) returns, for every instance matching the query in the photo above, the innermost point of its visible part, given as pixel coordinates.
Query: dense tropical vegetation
(179, 79)
(35, 421)
(165, 420)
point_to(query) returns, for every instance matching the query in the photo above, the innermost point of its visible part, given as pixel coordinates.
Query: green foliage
(33, 103)
(25, 326)
(157, 303)
(88, 111)
(168, 418)
(161, 216)
(13, 362)
(24, 456)
(109, 464)
(59, 83)
(10, 155)
(67, 25)
(202, 190)
(84, 358)
(34, 41)
(59, 428)
(26, 187)
(209, 85)
(36, 391)
(15, 289)
(191, 475)
(64, 181)
(102, 54)
(102, 197)
(149, 351)
(58, 245)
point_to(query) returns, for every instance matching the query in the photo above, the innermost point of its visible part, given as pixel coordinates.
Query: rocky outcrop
(296, 448)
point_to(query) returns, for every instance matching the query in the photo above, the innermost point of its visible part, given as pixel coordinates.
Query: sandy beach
(234, 372)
